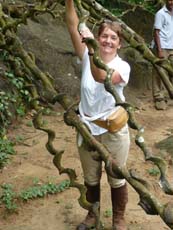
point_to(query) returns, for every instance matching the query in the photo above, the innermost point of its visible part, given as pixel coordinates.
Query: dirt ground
(62, 211)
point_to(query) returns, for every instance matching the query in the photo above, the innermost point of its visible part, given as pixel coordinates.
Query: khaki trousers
(118, 144)
(159, 91)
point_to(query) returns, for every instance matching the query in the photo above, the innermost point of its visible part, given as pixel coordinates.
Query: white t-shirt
(96, 102)
(164, 23)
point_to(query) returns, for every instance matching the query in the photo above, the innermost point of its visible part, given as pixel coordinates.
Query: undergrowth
(9, 198)
(116, 10)
(6, 150)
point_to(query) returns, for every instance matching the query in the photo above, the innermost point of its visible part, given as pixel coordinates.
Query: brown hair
(114, 26)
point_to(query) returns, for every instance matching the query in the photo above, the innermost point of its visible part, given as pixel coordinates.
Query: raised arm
(72, 21)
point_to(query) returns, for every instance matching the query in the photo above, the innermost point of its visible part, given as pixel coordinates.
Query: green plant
(102, 1)
(47, 111)
(18, 79)
(4, 55)
(21, 110)
(5, 114)
(148, 5)
(117, 12)
(108, 213)
(42, 190)
(19, 139)
(8, 196)
(153, 171)
(29, 123)
(136, 1)
(19, 83)
(6, 149)
(4, 102)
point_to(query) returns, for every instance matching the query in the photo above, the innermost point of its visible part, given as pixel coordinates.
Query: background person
(97, 104)
(163, 48)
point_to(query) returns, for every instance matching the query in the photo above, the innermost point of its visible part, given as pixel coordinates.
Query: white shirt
(164, 23)
(96, 102)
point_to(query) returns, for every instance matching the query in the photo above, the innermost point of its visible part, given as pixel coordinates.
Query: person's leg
(92, 196)
(118, 144)
(119, 197)
(170, 57)
(158, 90)
(92, 175)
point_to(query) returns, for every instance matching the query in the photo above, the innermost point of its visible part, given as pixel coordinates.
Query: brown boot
(119, 198)
(92, 196)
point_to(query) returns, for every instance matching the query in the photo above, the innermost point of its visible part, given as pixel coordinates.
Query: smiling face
(109, 42)
(109, 38)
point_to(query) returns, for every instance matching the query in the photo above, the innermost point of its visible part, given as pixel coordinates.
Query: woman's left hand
(86, 33)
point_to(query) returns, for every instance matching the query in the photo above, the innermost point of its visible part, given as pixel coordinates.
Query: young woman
(97, 104)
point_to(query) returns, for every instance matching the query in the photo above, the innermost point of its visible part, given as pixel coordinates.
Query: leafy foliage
(5, 114)
(43, 190)
(154, 171)
(6, 149)
(9, 197)
(148, 5)
(19, 97)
